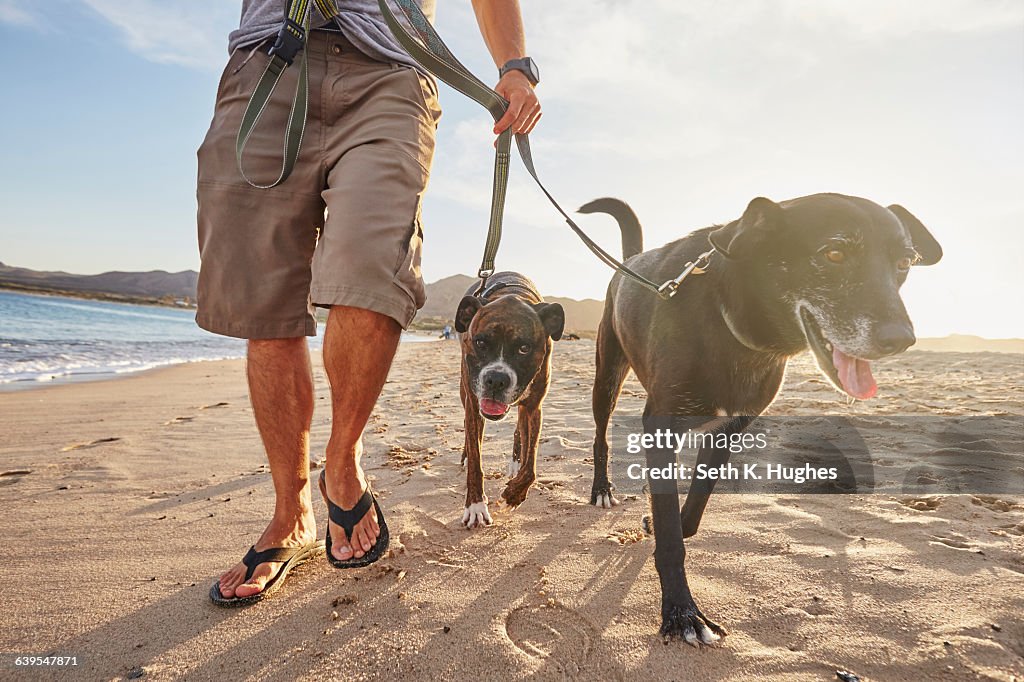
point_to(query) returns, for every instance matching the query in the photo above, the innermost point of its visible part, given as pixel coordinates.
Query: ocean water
(49, 338)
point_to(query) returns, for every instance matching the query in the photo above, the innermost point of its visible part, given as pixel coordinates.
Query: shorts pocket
(425, 96)
(408, 277)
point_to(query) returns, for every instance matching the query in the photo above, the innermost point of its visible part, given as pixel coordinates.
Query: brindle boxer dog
(820, 272)
(506, 332)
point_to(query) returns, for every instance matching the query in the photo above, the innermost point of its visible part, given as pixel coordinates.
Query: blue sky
(686, 109)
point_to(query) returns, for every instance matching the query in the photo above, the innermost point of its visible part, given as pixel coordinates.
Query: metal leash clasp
(697, 267)
(483, 274)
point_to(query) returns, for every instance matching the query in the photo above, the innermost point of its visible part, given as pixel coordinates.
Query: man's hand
(523, 106)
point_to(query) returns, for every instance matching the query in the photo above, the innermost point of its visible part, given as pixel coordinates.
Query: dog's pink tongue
(854, 375)
(493, 408)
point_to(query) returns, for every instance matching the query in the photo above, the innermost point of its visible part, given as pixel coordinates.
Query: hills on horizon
(443, 296)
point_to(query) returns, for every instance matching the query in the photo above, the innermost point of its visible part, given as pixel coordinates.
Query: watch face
(526, 65)
(532, 71)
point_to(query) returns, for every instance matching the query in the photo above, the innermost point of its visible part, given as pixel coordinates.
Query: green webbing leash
(436, 58)
(290, 41)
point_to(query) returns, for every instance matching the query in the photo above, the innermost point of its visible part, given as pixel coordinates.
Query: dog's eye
(480, 343)
(904, 263)
(524, 349)
(835, 256)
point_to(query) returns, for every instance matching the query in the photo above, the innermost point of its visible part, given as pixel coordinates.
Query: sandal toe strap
(348, 518)
(252, 558)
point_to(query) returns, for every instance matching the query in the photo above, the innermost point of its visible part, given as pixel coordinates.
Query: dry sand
(142, 489)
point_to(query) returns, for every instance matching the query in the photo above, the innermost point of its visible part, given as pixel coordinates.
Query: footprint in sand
(921, 503)
(91, 444)
(957, 542)
(551, 633)
(994, 503)
(12, 476)
(211, 406)
(179, 420)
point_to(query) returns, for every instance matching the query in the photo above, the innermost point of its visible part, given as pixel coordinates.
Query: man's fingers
(515, 106)
(532, 122)
(527, 119)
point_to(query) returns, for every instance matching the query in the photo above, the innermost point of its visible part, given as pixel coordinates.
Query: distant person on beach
(270, 255)
(446, 333)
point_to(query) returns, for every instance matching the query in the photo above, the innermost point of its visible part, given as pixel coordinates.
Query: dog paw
(476, 515)
(513, 467)
(689, 624)
(602, 497)
(515, 495)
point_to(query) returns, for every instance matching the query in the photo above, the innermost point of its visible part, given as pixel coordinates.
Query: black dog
(506, 332)
(820, 272)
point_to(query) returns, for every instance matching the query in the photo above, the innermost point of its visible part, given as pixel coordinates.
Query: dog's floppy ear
(553, 318)
(924, 242)
(468, 307)
(736, 239)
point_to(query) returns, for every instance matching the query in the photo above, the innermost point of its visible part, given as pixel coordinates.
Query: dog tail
(629, 224)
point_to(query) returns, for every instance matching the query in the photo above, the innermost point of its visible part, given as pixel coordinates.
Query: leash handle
(435, 56)
(291, 40)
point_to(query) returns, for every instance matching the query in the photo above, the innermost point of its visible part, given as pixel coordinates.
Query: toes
(247, 589)
(476, 515)
(374, 527)
(260, 577)
(359, 542)
(690, 635)
(341, 549)
(605, 501)
(707, 636)
(229, 581)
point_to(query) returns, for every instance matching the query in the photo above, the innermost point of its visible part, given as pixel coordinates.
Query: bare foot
(344, 491)
(278, 534)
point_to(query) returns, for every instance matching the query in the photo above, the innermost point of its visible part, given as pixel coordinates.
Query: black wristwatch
(526, 65)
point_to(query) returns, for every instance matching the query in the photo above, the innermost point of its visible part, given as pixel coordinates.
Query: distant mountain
(443, 298)
(154, 284)
(967, 343)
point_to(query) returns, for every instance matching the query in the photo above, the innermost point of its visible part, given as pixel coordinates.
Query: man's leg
(281, 392)
(358, 348)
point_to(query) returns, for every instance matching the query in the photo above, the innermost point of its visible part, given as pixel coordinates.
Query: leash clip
(697, 267)
(290, 40)
(483, 274)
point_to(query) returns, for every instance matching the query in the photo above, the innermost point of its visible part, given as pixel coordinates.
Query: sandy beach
(121, 501)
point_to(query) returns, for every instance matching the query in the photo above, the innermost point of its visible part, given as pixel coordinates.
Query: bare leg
(359, 346)
(281, 392)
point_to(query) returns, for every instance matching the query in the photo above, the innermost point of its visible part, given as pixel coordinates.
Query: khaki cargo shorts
(270, 255)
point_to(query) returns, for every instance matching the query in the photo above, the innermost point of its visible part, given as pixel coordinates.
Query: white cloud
(13, 12)
(191, 33)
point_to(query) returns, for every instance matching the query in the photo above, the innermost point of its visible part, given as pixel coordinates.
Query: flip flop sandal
(290, 556)
(347, 519)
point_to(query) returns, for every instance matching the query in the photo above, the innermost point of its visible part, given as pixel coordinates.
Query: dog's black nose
(496, 382)
(894, 337)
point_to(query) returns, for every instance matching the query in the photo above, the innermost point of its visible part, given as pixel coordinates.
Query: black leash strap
(431, 52)
(291, 40)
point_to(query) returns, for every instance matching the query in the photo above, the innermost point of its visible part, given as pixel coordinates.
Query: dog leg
(680, 616)
(528, 436)
(611, 371)
(464, 396)
(475, 513)
(516, 461)
(530, 420)
(700, 490)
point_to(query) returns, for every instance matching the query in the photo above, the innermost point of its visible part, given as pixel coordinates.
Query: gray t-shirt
(360, 21)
